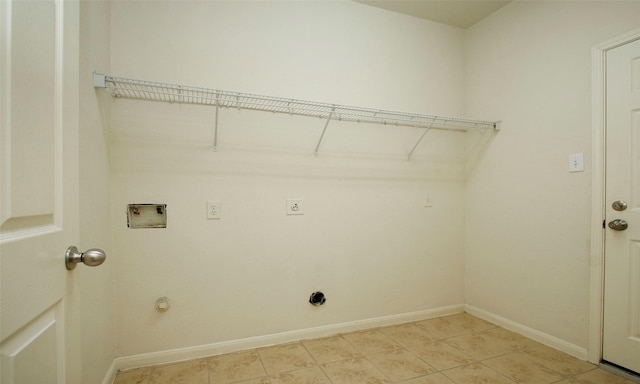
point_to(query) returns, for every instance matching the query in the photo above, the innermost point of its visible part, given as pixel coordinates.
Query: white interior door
(38, 203)
(621, 342)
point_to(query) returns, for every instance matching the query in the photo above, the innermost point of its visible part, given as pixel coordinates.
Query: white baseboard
(110, 376)
(182, 354)
(544, 338)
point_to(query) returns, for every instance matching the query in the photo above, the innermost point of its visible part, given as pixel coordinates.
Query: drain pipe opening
(317, 298)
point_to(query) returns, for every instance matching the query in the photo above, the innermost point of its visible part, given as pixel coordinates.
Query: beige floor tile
(511, 340)
(596, 376)
(454, 325)
(475, 324)
(286, 357)
(436, 378)
(331, 349)
(353, 371)
(134, 376)
(371, 341)
(476, 374)
(235, 367)
(522, 370)
(478, 346)
(400, 364)
(440, 355)
(558, 361)
(465, 350)
(190, 372)
(260, 380)
(302, 376)
(408, 334)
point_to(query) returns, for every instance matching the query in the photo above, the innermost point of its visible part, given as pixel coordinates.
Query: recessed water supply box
(147, 216)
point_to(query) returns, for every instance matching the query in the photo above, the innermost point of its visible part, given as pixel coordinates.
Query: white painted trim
(534, 334)
(28, 233)
(182, 354)
(598, 97)
(5, 106)
(111, 374)
(596, 283)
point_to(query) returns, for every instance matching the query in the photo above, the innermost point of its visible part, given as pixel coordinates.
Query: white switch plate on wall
(214, 210)
(576, 162)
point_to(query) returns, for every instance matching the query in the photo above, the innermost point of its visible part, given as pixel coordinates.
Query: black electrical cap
(317, 298)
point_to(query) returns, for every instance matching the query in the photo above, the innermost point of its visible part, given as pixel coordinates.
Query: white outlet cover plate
(295, 207)
(214, 210)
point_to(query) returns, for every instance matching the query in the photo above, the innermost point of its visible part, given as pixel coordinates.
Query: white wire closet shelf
(172, 93)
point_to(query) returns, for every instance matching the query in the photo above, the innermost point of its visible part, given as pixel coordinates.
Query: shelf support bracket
(215, 127)
(99, 80)
(420, 140)
(324, 130)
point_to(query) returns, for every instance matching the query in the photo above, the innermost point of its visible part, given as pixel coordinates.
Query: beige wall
(508, 235)
(527, 218)
(365, 239)
(95, 285)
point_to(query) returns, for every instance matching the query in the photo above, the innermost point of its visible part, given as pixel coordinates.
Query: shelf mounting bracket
(99, 80)
(324, 130)
(215, 127)
(420, 140)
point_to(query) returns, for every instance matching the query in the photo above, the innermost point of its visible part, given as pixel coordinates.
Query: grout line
(499, 373)
(362, 354)
(208, 371)
(316, 361)
(264, 368)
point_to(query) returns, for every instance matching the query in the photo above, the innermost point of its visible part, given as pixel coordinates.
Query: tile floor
(459, 349)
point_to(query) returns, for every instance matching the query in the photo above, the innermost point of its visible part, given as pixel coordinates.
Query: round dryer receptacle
(317, 298)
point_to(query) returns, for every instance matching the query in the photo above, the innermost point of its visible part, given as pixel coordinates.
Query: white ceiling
(459, 13)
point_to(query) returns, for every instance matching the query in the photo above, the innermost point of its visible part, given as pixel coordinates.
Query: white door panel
(38, 187)
(39, 345)
(621, 341)
(33, 75)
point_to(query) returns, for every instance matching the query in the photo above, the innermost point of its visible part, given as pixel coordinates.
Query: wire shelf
(173, 93)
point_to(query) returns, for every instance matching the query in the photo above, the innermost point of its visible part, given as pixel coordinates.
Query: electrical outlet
(428, 200)
(295, 207)
(214, 210)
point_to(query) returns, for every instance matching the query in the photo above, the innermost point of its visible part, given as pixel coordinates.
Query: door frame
(598, 203)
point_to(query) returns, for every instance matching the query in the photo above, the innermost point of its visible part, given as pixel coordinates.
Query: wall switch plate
(576, 162)
(214, 210)
(295, 207)
(428, 200)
